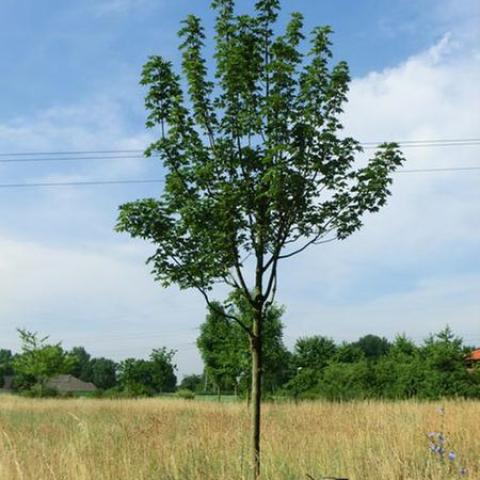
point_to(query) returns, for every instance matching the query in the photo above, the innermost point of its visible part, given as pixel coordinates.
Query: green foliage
(136, 375)
(349, 353)
(218, 344)
(6, 364)
(81, 367)
(433, 370)
(253, 153)
(164, 378)
(39, 361)
(346, 381)
(103, 373)
(185, 394)
(373, 347)
(195, 383)
(39, 391)
(313, 352)
(147, 377)
(224, 347)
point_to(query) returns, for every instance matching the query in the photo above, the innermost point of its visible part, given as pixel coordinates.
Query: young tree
(40, 361)
(257, 169)
(163, 370)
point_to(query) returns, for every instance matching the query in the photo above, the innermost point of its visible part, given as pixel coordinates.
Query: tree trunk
(256, 350)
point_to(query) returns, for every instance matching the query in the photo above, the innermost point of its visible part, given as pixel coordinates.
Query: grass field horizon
(173, 439)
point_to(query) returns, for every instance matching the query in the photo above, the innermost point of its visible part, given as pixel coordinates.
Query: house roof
(475, 355)
(68, 383)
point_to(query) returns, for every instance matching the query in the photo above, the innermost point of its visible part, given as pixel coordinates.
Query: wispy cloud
(414, 266)
(110, 7)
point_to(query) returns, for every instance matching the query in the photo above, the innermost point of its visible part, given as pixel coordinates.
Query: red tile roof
(475, 356)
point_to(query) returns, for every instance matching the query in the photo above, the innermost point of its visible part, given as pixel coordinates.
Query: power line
(452, 141)
(426, 145)
(72, 158)
(70, 152)
(139, 153)
(79, 183)
(158, 180)
(431, 170)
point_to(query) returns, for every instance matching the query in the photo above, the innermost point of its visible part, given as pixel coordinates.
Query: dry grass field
(166, 439)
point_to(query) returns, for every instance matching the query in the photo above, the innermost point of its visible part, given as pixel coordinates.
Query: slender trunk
(256, 350)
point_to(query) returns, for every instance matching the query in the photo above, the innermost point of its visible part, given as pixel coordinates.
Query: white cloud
(97, 123)
(424, 245)
(109, 7)
(104, 299)
(426, 308)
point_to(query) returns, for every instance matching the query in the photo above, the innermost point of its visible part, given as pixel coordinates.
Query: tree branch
(314, 241)
(212, 305)
(222, 312)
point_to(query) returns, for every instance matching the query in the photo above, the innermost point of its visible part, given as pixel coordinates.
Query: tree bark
(256, 351)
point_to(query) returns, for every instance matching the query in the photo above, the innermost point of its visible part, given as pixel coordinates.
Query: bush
(99, 393)
(67, 395)
(39, 391)
(131, 391)
(185, 394)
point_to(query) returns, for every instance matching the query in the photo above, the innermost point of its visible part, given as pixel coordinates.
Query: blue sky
(70, 82)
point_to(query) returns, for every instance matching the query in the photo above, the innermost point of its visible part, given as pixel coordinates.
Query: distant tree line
(317, 367)
(39, 361)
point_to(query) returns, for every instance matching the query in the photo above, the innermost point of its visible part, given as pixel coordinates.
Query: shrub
(185, 394)
(39, 391)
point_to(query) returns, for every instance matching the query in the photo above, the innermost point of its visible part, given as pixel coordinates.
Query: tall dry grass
(165, 439)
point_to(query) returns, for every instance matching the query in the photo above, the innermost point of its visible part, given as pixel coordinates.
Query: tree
(163, 370)
(373, 346)
(218, 345)
(313, 352)
(81, 368)
(146, 377)
(257, 170)
(349, 353)
(223, 345)
(6, 366)
(444, 356)
(40, 361)
(193, 382)
(136, 377)
(104, 373)
(310, 357)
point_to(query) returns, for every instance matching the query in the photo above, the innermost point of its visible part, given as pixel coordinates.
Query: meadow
(170, 439)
